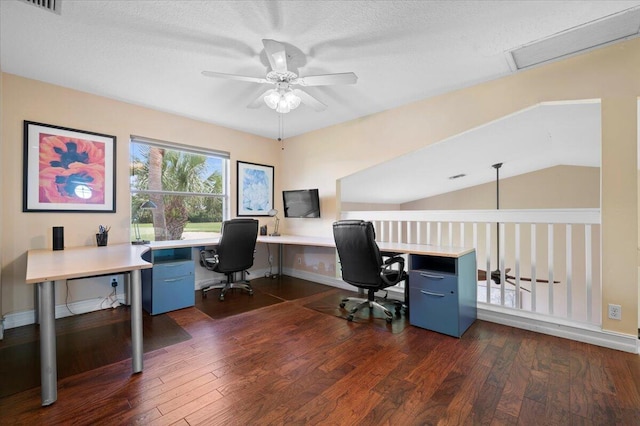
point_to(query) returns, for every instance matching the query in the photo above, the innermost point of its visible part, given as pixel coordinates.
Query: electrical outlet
(270, 258)
(615, 312)
(299, 261)
(114, 282)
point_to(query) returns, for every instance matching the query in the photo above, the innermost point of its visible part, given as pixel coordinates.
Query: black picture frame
(68, 170)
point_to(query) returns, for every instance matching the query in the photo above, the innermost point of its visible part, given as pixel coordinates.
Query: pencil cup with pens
(103, 235)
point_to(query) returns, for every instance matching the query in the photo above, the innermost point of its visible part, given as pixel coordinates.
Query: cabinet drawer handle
(428, 293)
(435, 277)
(172, 265)
(170, 280)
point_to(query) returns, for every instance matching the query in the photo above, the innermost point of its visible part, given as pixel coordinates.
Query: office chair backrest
(237, 245)
(358, 251)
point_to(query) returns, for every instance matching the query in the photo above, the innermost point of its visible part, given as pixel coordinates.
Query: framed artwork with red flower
(68, 170)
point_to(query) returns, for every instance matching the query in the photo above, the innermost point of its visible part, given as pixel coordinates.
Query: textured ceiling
(151, 53)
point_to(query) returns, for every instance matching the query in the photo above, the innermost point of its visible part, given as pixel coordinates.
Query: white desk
(297, 240)
(282, 240)
(45, 266)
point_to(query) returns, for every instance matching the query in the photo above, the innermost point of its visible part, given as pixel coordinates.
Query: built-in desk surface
(425, 249)
(78, 262)
(267, 239)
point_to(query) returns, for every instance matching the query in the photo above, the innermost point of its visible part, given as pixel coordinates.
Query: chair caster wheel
(350, 318)
(221, 298)
(204, 295)
(342, 305)
(251, 293)
(389, 320)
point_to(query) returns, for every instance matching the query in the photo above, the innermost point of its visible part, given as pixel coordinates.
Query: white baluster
(533, 267)
(569, 263)
(550, 265)
(588, 269)
(488, 253)
(517, 266)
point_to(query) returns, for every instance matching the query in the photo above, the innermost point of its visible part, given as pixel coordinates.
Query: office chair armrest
(394, 260)
(208, 258)
(387, 272)
(389, 254)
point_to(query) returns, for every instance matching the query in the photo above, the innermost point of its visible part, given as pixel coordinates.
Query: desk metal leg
(48, 366)
(135, 284)
(36, 304)
(280, 250)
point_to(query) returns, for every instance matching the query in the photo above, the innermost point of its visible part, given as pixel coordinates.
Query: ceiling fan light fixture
(292, 99)
(272, 98)
(282, 101)
(283, 106)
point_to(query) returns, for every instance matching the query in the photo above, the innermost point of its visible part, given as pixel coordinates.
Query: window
(188, 186)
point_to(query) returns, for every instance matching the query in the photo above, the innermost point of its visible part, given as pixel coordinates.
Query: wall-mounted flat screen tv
(301, 203)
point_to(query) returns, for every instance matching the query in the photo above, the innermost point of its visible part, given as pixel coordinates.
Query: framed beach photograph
(68, 170)
(255, 189)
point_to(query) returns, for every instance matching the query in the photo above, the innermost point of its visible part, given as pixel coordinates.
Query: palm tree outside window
(188, 185)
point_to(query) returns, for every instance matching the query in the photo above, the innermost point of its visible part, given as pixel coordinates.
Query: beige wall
(24, 99)
(612, 72)
(552, 188)
(620, 208)
(1, 210)
(318, 159)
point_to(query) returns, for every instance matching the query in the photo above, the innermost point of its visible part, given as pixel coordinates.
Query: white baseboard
(19, 319)
(554, 327)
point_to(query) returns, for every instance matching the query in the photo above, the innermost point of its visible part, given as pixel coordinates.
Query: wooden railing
(536, 247)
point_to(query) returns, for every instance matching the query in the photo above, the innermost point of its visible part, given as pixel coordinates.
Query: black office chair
(234, 253)
(363, 265)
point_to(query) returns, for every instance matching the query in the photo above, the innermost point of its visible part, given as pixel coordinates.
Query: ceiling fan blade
(326, 79)
(276, 55)
(235, 77)
(309, 100)
(259, 101)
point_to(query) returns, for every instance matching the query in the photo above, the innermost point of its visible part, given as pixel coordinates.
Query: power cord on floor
(66, 299)
(270, 274)
(112, 298)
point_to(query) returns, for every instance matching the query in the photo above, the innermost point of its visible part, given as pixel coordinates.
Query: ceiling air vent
(591, 35)
(50, 5)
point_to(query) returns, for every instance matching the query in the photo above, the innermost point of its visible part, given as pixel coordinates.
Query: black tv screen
(301, 203)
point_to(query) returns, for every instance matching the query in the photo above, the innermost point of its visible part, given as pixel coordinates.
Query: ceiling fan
(284, 97)
(496, 276)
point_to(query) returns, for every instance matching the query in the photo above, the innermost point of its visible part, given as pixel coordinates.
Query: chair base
(371, 304)
(226, 285)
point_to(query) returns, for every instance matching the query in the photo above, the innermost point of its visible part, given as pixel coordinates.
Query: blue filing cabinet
(443, 293)
(170, 284)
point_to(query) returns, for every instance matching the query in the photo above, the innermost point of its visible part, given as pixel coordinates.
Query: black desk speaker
(58, 237)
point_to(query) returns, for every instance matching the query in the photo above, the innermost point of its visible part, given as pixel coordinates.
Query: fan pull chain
(281, 130)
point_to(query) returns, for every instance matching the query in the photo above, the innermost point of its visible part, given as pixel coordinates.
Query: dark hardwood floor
(284, 363)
